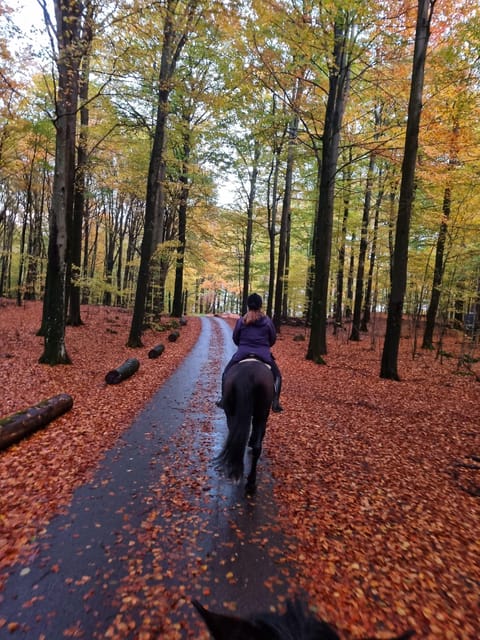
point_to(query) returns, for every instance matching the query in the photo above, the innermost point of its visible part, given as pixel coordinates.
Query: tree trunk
(337, 96)
(154, 207)
(362, 254)
(341, 247)
(26, 217)
(272, 209)
(133, 231)
(373, 255)
(35, 248)
(437, 273)
(21, 265)
(311, 265)
(16, 427)
(7, 248)
(68, 19)
(177, 306)
(281, 284)
(249, 229)
(75, 244)
(391, 345)
(286, 271)
(111, 234)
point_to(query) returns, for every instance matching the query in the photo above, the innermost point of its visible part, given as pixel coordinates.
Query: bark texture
(400, 257)
(19, 425)
(123, 371)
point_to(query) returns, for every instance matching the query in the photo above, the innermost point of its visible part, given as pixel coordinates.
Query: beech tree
(178, 21)
(339, 79)
(75, 240)
(70, 48)
(389, 368)
(362, 254)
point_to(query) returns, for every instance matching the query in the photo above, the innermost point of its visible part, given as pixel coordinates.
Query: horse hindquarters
(262, 400)
(248, 393)
(238, 410)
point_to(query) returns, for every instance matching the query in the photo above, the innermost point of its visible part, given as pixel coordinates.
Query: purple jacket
(255, 338)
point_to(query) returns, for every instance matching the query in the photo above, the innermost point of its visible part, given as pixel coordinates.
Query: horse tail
(238, 408)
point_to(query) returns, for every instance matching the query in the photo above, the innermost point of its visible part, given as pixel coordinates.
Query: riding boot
(277, 387)
(219, 402)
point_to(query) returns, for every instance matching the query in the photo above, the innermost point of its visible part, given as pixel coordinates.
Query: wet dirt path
(155, 527)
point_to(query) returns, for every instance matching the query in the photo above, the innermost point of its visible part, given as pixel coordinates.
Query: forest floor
(377, 480)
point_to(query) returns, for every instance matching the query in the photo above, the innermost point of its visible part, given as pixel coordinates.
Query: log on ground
(156, 351)
(173, 336)
(122, 372)
(19, 425)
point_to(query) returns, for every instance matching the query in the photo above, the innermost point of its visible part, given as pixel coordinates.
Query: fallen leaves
(380, 534)
(363, 473)
(39, 474)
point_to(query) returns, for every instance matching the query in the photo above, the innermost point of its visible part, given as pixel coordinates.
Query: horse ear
(224, 627)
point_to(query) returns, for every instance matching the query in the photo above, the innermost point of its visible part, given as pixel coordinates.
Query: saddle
(253, 357)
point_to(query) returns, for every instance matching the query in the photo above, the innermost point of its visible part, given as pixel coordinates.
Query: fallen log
(173, 336)
(19, 425)
(123, 371)
(156, 351)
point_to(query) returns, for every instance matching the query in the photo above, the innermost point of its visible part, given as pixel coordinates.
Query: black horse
(295, 624)
(247, 398)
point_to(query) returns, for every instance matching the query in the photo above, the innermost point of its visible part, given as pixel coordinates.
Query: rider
(254, 334)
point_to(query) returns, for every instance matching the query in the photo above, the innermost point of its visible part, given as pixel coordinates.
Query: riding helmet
(254, 302)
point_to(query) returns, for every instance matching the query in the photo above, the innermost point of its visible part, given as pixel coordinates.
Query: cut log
(173, 336)
(123, 371)
(156, 351)
(19, 425)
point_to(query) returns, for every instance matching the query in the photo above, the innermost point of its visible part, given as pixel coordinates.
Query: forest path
(155, 527)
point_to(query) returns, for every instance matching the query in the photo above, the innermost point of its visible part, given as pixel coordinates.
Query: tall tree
(347, 176)
(282, 263)
(68, 16)
(389, 364)
(177, 304)
(75, 239)
(278, 140)
(339, 79)
(373, 255)
(252, 190)
(437, 272)
(178, 22)
(362, 253)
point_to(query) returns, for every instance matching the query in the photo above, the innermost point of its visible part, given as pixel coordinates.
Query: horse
(295, 624)
(248, 389)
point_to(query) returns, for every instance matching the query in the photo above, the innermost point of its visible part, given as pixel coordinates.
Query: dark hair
(254, 302)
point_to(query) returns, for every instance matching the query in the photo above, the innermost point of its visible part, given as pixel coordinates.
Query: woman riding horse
(254, 334)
